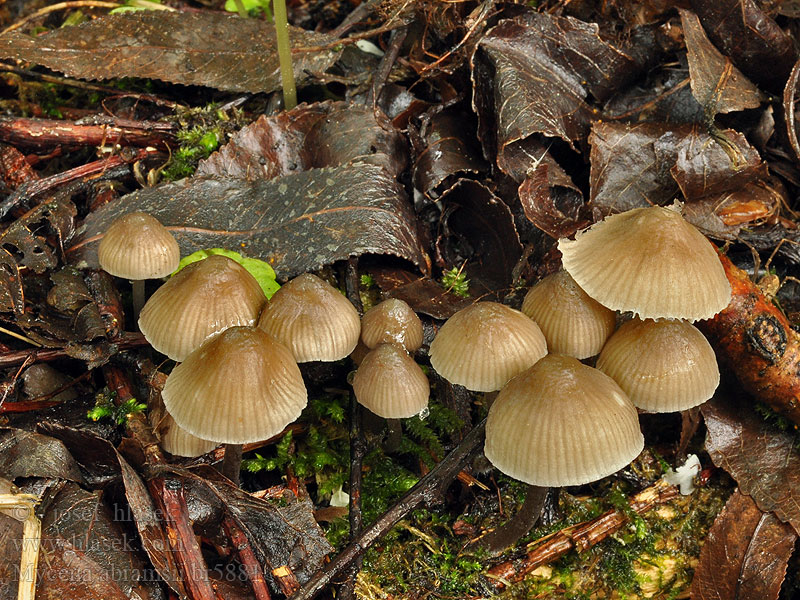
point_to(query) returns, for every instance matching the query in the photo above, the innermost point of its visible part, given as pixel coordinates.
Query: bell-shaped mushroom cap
(572, 323)
(203, 298)
(313, 319)
(663, 366)
(240, 386)
(179, 442)
(562, 423)
(649, 261)
(390, 383)
(392, 322)
(136, 246)
(484, 345)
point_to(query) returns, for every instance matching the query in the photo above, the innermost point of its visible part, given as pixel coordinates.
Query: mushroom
(484, 345)
(391, 322)
(390, 383)
(179, 442)
(239, 386)
(649, 261)
(313, 319)
(572, 323)
(559, 423)
(137, 246)
(663, 366)
(203, 298)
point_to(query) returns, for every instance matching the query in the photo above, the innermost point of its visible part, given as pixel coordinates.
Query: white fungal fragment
(684, 475)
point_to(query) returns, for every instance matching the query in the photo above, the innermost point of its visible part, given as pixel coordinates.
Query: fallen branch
(754, 337)
(580, 537)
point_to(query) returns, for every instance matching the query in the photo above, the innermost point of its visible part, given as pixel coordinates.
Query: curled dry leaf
(716, 84)
(556, 209)
(297, 223)
(211, 49)
(324, 134)
(745, 554)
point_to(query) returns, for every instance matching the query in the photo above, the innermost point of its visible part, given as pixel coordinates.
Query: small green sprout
(367, 280)
(105, 408)
(456, 282)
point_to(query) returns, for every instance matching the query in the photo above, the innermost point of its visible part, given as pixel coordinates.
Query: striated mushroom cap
(179, 442)
(391, 322)
(390, 383)
(484, 345)
(313, 319)
(663, 366)
(137, 246)
(203, 298)
(562, 423)
(649, 261)
(572, 323)
(240, 386)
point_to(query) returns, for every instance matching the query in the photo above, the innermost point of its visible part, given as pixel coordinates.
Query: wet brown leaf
(422, 294)
(478, 229)
(762, 459)
(745, 554)
(716, 84)
(326, 134)
(211, 49)
(557, 210)
(532, 74)
(449, 148)
(26, 454)
(752, 40)
(298, 223)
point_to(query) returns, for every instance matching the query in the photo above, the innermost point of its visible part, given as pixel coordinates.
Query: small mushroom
(137, 246)
(663, 366)
(484, 345)
(391, 322)
(203, 298)
(649, 261)
(313, 319)
(572, 323)
(390, 384)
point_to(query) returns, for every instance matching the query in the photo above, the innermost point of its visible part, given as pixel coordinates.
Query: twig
(788, 108)
(351, 20)
(581, 536)
(387, 62)
(247, 557)
(124, 342)
(60, 6)
(427, 490)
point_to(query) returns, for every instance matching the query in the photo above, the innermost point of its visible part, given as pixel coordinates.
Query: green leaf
(263, 273)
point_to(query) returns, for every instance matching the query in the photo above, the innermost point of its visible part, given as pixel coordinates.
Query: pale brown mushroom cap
(391, 322)
(562, 423)
(663, 366)
(203, 298)
(572, 323)
(651, 262)
(313, 319)
(390, 383)
(484, 345)
(240, 386)
(137, 246)
(179, 442)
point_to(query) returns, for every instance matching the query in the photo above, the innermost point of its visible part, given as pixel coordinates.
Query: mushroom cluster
(558, 422)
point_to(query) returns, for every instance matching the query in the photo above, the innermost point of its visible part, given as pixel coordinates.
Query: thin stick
(358, 449)
(60, 6)
(428, 489)
(247, 557)
(285, 55)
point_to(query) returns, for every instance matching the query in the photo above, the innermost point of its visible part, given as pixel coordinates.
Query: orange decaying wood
(757, 340)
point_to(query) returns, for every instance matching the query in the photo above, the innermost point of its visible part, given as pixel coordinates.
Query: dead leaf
(745, 554)
(297, 223)
(762, 459)
(752, 40)
(324, 134)
(422, 294)
(26, 454)
(205, 48)
(557, 210)
(716, 84)
(532, 74)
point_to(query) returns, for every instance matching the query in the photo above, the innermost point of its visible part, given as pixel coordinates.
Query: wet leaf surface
(422, 294)
(26, 454)
(745, 554)
(716, 83)
(211, 49)
(762, 459)
(533, 74)
(749, 37)
(556, 209)
(326, 134)
(297, 223)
